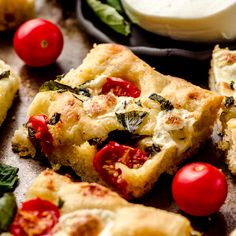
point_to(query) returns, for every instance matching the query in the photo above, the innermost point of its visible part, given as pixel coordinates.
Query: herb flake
(60, 77)
(55, 118)
(60, 203)
(151, 150)
(232, 85)
(94, 141)
(131, 120)
(165, 104)
(229, 101)
(5, 74)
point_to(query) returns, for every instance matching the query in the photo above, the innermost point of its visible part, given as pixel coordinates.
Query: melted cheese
(194, 20)
(99, 221)
(174, 129)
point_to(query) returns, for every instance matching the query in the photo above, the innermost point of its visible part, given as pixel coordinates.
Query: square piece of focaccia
(222, 80)
(9, 84)
(93, 210)
(233, 233)
(15, 12)
(95, 120)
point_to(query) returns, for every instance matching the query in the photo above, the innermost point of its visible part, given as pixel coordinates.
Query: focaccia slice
(15, 12)
(9, 85)
(168, 121)
(222, 79)
(91, 206)
(233, 233)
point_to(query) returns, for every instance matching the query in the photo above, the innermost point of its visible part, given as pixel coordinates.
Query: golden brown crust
(75, 195)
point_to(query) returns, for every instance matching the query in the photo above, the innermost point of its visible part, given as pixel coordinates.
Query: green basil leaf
(7, 210)
(110, 16)
(8, 178)
(5, 74)
(116, 4)
(131, 120)
(53, 85)
(151, 150)
(60, 203)
(60, 77)
(165, 104)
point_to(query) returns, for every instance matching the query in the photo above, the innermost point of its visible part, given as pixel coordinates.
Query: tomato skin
(106, 158)
(35, 217)
(39, 124)
(38, 42)
(199, 189)
(120, 87)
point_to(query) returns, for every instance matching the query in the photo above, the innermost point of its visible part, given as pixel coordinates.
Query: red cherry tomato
(120, 87)
(38, 123)
(35, 217)
(105, 164)
(38, 42)
(199, 189)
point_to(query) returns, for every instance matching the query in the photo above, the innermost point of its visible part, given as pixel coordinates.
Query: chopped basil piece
(232, 85)
(7, 211)
(55, 118)
(165, 104)
(131, 120)
(60, 77)
(60, 203)
(53, 85)
(124, 104)
(151, 150)
(8, 178)
(36, 144)
(5, 74)
(31, 132)
(138, 103)
(94, 141)
(110, 16)
(229, 101)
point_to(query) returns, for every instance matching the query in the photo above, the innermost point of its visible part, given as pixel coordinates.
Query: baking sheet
(77, 44)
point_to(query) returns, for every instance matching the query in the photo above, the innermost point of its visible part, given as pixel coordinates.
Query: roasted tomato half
(38, 131)
(35, 217)
(105, 164)
(120, 87)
